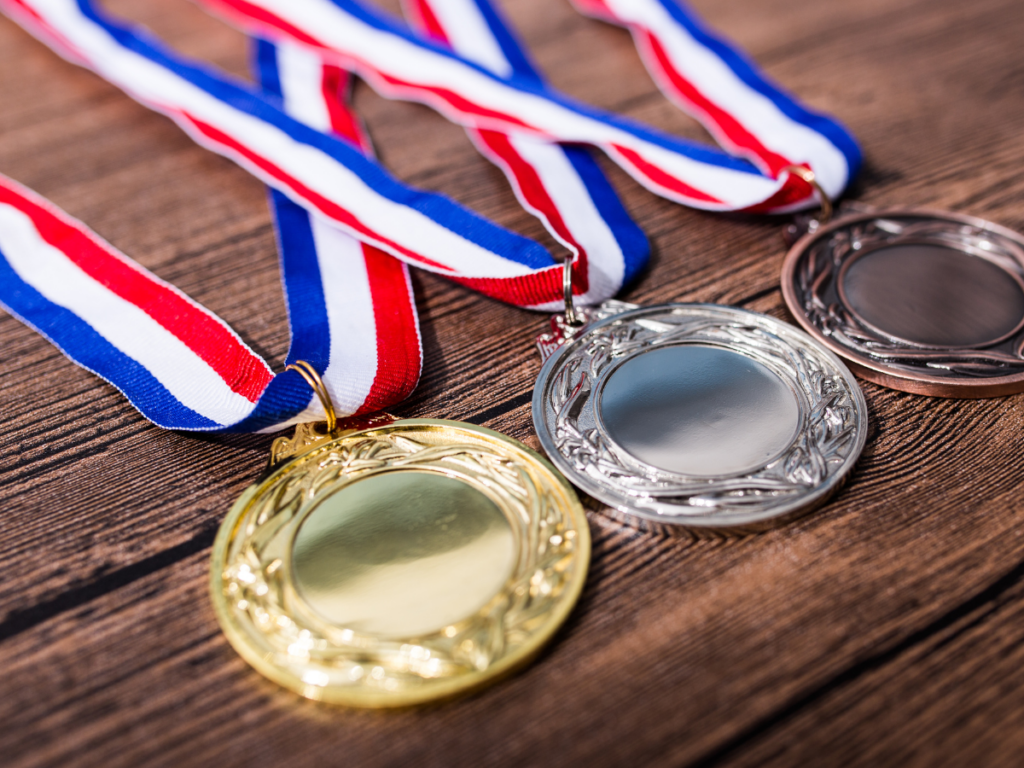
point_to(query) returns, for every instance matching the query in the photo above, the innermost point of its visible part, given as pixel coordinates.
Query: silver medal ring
(698, 415)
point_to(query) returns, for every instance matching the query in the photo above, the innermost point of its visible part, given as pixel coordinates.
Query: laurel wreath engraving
(821, 449)
(324, 654)
(824, 308)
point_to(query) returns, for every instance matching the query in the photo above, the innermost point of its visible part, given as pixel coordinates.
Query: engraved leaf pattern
(254, 580)
(821, 449)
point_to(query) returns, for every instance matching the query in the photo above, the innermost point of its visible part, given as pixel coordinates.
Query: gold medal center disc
(400, 564)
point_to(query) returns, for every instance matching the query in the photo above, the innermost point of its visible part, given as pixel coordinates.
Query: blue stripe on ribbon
(303, 284)
(286, 395)
(636, 249)
(81, 343)
(828, 127)
(263, 62)
(511, 48)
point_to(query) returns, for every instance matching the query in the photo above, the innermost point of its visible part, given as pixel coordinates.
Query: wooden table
(885, 629)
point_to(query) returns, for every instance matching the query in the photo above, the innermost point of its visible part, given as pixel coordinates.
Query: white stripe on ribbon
(301, 75)
(350, 314)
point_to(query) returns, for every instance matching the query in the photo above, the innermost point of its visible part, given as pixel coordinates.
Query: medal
(916, 300)
(398, 563)
(696, 415)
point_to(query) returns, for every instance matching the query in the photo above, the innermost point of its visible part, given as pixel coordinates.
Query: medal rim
(432, 690)
(727, 523)
(878, 372)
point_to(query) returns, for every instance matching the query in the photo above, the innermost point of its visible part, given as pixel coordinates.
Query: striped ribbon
(339, 214)
(561, 185)
(350, 305)
(180, 365)
(399, 64)
(325, 174)
(717, 85)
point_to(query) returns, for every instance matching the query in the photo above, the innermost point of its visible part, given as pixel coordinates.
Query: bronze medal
(916, 300)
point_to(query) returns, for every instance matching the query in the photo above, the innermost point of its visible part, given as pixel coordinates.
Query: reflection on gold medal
(399, 564)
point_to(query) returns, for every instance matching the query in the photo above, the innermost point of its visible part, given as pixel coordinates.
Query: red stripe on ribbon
(425, 20)
(398, 345)
(334, 89)
(661, 179)
(542, 287)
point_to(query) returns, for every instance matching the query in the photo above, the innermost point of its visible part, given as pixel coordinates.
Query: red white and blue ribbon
(325, 174)
(350, 305)
(715, 83)
(185, 369)
(399, 64)
(180, 365)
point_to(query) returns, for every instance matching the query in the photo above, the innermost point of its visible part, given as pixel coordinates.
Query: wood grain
(886, 629)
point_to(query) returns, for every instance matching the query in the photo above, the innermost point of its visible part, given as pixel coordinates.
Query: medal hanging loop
(823, 199)
(312, 377)
(571, 316)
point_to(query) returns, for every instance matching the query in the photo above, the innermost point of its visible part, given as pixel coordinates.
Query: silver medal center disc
(921, 301)
(699, 415)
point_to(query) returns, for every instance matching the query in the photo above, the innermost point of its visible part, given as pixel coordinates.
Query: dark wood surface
(886, 629)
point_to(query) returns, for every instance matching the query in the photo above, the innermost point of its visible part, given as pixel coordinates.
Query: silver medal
(696, 415)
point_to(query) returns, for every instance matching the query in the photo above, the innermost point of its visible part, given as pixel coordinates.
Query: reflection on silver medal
(921, 301)
(697, 415)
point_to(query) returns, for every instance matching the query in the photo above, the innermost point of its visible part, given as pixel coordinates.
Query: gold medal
(398, 563)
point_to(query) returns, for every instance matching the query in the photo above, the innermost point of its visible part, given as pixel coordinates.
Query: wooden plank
(881, 630)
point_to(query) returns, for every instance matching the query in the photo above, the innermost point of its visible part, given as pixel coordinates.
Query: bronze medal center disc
(402, 554)
(699, 410)
(932, 295)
